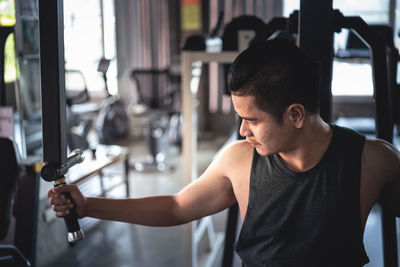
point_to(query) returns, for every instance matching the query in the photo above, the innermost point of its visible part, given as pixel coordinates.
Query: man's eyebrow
(247, 119)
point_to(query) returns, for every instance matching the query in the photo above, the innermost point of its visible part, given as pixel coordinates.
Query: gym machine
(56, 163)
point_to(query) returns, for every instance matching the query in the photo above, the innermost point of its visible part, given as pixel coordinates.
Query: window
(7, 12)
(7, 18)
(372, 11)
(89, 35)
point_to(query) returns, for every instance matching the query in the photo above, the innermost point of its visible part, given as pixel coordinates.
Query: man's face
(260, 128)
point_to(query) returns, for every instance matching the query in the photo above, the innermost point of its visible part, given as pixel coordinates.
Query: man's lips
(252, 143)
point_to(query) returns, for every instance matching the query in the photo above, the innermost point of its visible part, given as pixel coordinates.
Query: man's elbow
(179, 215)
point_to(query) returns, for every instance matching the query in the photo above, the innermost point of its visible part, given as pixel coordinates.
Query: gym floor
(121, 245)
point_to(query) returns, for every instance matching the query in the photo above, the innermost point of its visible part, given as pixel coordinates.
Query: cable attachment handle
(56, 174)
(71, 220)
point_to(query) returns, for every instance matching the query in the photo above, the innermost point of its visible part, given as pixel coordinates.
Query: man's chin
(262, 152)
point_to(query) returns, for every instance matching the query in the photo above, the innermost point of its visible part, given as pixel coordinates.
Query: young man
(304, 187)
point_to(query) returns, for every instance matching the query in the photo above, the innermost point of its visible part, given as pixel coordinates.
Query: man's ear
(296, 115)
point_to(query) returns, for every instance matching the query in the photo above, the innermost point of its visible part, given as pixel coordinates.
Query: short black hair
(278, 74)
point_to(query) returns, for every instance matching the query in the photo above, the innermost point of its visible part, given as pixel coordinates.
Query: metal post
(316, 40)
(52, 81)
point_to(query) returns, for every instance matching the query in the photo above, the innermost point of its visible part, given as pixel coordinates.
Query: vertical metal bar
(126, 173)
(4, 33)
(230, 235)
(153, 12)
(101, 4)
(205, 16)
(390, 257)
(101, 177)
(189, 144)
(392, 13)
(278, 8)
(389, 233)
(51, 40)
(316, 40)
(51, 32)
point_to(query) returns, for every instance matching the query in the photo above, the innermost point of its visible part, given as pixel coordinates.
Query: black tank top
(309, 219)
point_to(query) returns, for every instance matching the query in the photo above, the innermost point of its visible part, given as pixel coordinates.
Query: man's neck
(312, 142)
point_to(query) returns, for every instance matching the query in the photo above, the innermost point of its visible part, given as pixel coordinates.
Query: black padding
(10, 170)
(11, 256)
(230, 35)
(356, 48)
(194, 43)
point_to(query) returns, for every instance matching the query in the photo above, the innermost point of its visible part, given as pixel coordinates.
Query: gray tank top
(309, 219)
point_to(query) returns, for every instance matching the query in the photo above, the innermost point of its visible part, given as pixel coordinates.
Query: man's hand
(61, 205)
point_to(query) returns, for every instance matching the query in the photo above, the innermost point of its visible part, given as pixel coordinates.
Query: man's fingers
(61, 204)
(59, 201)
(64, 188)
(62, 208)
(62, 214)
(51, 193)
(56, 196)
(54, 193)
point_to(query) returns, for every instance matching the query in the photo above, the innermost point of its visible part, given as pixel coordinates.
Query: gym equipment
(195, 42)
(380, 66)
(80, 111)
(356, 48)
(54, 174)
(103, 66)
(56, 162)
(112, 122)
(10, 161)
(158, 91)
(206, 42)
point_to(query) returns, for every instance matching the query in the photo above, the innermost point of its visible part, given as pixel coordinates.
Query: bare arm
(384, 162)
(209, 194)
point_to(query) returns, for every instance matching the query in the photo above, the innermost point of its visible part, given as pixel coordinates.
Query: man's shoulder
(235, 155)
(381, 156)
(239, 149)
(375, 147)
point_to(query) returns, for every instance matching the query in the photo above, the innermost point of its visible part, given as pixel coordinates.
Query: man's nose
(244, 129)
